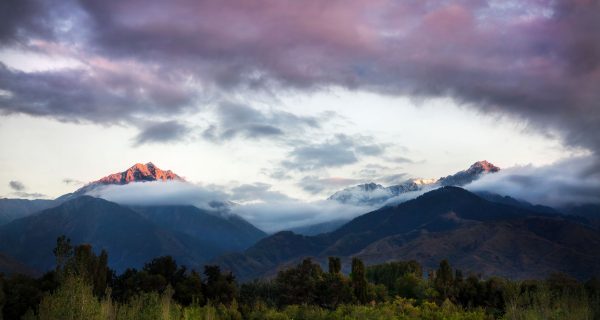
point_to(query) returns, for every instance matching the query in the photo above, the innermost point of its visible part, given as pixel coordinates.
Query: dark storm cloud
(16, 185)
(235, 120)
(161, 132)
(20, 19)
(104, 95)
(538, 61)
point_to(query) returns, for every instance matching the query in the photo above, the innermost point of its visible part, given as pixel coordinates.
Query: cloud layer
(267, 209)
(572, 181)
(536, 60)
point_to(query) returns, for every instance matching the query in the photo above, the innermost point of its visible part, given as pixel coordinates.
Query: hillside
(450, 222)
(11, 209)
(128, 236)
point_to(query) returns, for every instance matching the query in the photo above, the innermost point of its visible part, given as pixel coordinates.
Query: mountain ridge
(137, 173)
(129, 237)
(453, 219)
(373, 194)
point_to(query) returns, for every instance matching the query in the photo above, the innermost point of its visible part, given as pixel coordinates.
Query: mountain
(318, 228)
(11, 209)
(129, 238)
(494, 197)
(372, 194)
(449, 222)
(9, 265)
(589, 211)
(465, 177)
(224, 232)
(136, 173)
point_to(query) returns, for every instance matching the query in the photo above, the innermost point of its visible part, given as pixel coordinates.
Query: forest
(82, 286)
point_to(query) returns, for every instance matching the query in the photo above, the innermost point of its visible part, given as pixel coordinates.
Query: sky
(297, 99)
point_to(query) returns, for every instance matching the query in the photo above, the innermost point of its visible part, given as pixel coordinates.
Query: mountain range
(373, 194)
(449, 222)
(131, 234)
(12, 209)
(487, 232)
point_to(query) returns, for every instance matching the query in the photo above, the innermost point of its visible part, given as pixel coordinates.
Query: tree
(444, 279)
(21, 294)
(85, 264)
(392, 275)
(410, 286)
(167, 267)
(220, 287)
(335, 265)
(299, 285)
(359, 280)
(334, 289)
(74, 299)
(63, 252)
(188, 290)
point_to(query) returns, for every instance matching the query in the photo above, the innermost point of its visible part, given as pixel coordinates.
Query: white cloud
(571, 181)
(264, 208)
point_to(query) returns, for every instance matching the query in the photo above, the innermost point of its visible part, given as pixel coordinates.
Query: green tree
(63, 252)
(188, 289)
(359, 280)
(335, 265)
(167, 268)
(334, 289)
(73, 300)
(444, 279)
(86, 264)
(410, 286)
(220, 287)
(299, 285)
(21, 294)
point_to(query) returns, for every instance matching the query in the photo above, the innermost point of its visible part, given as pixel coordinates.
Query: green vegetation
(83, 287)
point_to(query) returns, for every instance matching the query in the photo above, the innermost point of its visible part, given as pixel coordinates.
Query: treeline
(83, 287)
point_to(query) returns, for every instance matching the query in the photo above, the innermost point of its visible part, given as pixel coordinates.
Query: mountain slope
(130, 239)
(318, 228)
(224, 232)
(523, 248)
(9, 265)
(11, 209)
(465, 177)
(449, 222)
(136, 173)
(372, 194)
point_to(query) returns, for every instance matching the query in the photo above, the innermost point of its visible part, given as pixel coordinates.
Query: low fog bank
(272, 217)
(160, 193)
(569, 182)
(266, 209)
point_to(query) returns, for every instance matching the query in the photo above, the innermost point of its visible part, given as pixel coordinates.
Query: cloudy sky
(299, 98)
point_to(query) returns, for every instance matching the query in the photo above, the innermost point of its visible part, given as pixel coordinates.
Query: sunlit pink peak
(138, 173)
(483, 166)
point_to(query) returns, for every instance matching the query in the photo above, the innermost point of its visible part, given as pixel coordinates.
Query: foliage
(359, 280)
(83, 287)
(73, 300)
